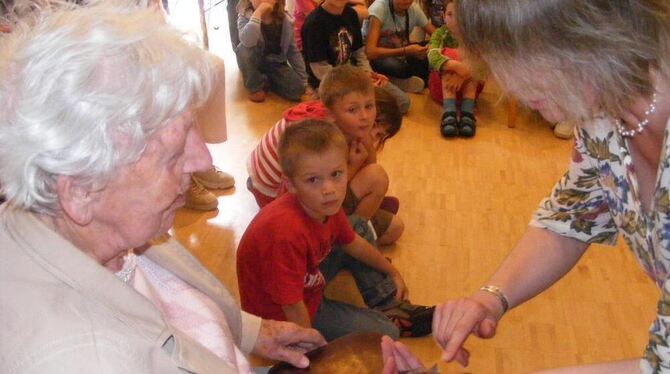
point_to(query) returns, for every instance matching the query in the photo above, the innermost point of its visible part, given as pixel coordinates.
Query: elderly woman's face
(140, 202)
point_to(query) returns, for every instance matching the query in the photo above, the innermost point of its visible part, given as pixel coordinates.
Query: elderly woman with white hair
(97, 148)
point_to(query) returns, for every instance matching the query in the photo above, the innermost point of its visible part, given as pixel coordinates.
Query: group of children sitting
(323, 209)
(314, 173)
(291, 59)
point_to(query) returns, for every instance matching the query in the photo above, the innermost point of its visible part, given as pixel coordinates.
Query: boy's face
(449, 19)
(355, 114)
(320, 182)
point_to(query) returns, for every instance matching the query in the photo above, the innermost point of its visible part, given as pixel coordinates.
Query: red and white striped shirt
(263, 163)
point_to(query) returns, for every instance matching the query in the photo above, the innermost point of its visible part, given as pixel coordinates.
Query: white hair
(81, 90)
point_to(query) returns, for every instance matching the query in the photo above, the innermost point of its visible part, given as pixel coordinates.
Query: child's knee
(375, 176)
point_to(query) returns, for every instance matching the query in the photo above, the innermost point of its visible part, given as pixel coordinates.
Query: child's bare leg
(369, 185)
(448, 122)
(393, 233)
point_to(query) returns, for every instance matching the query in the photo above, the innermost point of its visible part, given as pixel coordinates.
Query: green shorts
(381, 220)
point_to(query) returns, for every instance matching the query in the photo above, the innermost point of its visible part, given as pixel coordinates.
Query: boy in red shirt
(280, 254)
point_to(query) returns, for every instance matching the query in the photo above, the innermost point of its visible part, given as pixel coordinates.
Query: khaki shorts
(381, 220)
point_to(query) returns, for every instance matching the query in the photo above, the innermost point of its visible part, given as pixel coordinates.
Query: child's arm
(435, 56)
(457, 67)
(374, 51)
(358, 154)
(297, 313)
(364, 252)
(249, 24)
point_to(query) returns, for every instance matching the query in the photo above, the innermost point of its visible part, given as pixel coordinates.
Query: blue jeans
(231, 8)
(333, 318)
(400, 96)
(402, 68)
(256, 70)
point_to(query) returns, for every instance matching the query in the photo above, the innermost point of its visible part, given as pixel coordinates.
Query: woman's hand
(398, 358)
(455, 320)
(287, 341)
(416, 50)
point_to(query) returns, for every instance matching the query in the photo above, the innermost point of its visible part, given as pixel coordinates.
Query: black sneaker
(467, 126)
(412, 320)
(449, 125)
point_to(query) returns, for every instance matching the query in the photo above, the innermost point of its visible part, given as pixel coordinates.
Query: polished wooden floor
(465, 203)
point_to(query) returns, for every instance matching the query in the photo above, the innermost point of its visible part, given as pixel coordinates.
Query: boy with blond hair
(284, 259)
(347, 100)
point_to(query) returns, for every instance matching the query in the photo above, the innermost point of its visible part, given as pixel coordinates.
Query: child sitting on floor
(283, 252)
(267, 54)
(348, 100)
(457, 81)
(331, 36)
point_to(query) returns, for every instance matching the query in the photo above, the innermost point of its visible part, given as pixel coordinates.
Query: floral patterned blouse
(598, 198)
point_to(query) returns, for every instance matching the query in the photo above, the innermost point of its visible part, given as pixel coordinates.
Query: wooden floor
(465, 203)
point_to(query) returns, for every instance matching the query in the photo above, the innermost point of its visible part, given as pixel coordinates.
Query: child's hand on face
(358, 153)
(266, 6)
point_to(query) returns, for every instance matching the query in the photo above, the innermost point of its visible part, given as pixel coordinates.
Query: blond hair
(343, 80)
(581, 49)
(308, 136)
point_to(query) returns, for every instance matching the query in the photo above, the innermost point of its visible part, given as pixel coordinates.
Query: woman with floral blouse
(605, 65)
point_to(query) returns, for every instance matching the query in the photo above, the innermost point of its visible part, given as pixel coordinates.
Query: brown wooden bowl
(354, 353)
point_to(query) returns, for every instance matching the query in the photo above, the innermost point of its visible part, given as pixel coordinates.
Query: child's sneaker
(467, 126)
(412, 84)
(449, 125)
(412, 320)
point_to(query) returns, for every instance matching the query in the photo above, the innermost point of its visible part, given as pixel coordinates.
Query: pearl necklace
(640, 125)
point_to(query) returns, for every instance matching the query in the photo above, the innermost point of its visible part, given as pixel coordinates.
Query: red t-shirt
(279, 255)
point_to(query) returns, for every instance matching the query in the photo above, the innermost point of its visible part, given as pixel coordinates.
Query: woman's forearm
(539, 259)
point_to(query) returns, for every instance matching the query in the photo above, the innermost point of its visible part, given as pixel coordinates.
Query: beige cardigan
(61, 312)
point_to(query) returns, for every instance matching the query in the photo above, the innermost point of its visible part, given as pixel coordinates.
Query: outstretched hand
(398, 358)
(455, 320)
(287, 341)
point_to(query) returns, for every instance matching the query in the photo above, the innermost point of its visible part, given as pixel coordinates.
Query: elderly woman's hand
(455, 320)
(287, 341)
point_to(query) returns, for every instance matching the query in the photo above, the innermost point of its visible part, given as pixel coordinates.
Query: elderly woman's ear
(75, 200)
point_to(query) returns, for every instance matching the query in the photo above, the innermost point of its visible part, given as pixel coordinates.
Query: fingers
(293, 357)
(405, 360)
(462, 357)
(307, 338)
(486, 329)
(389, 366)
